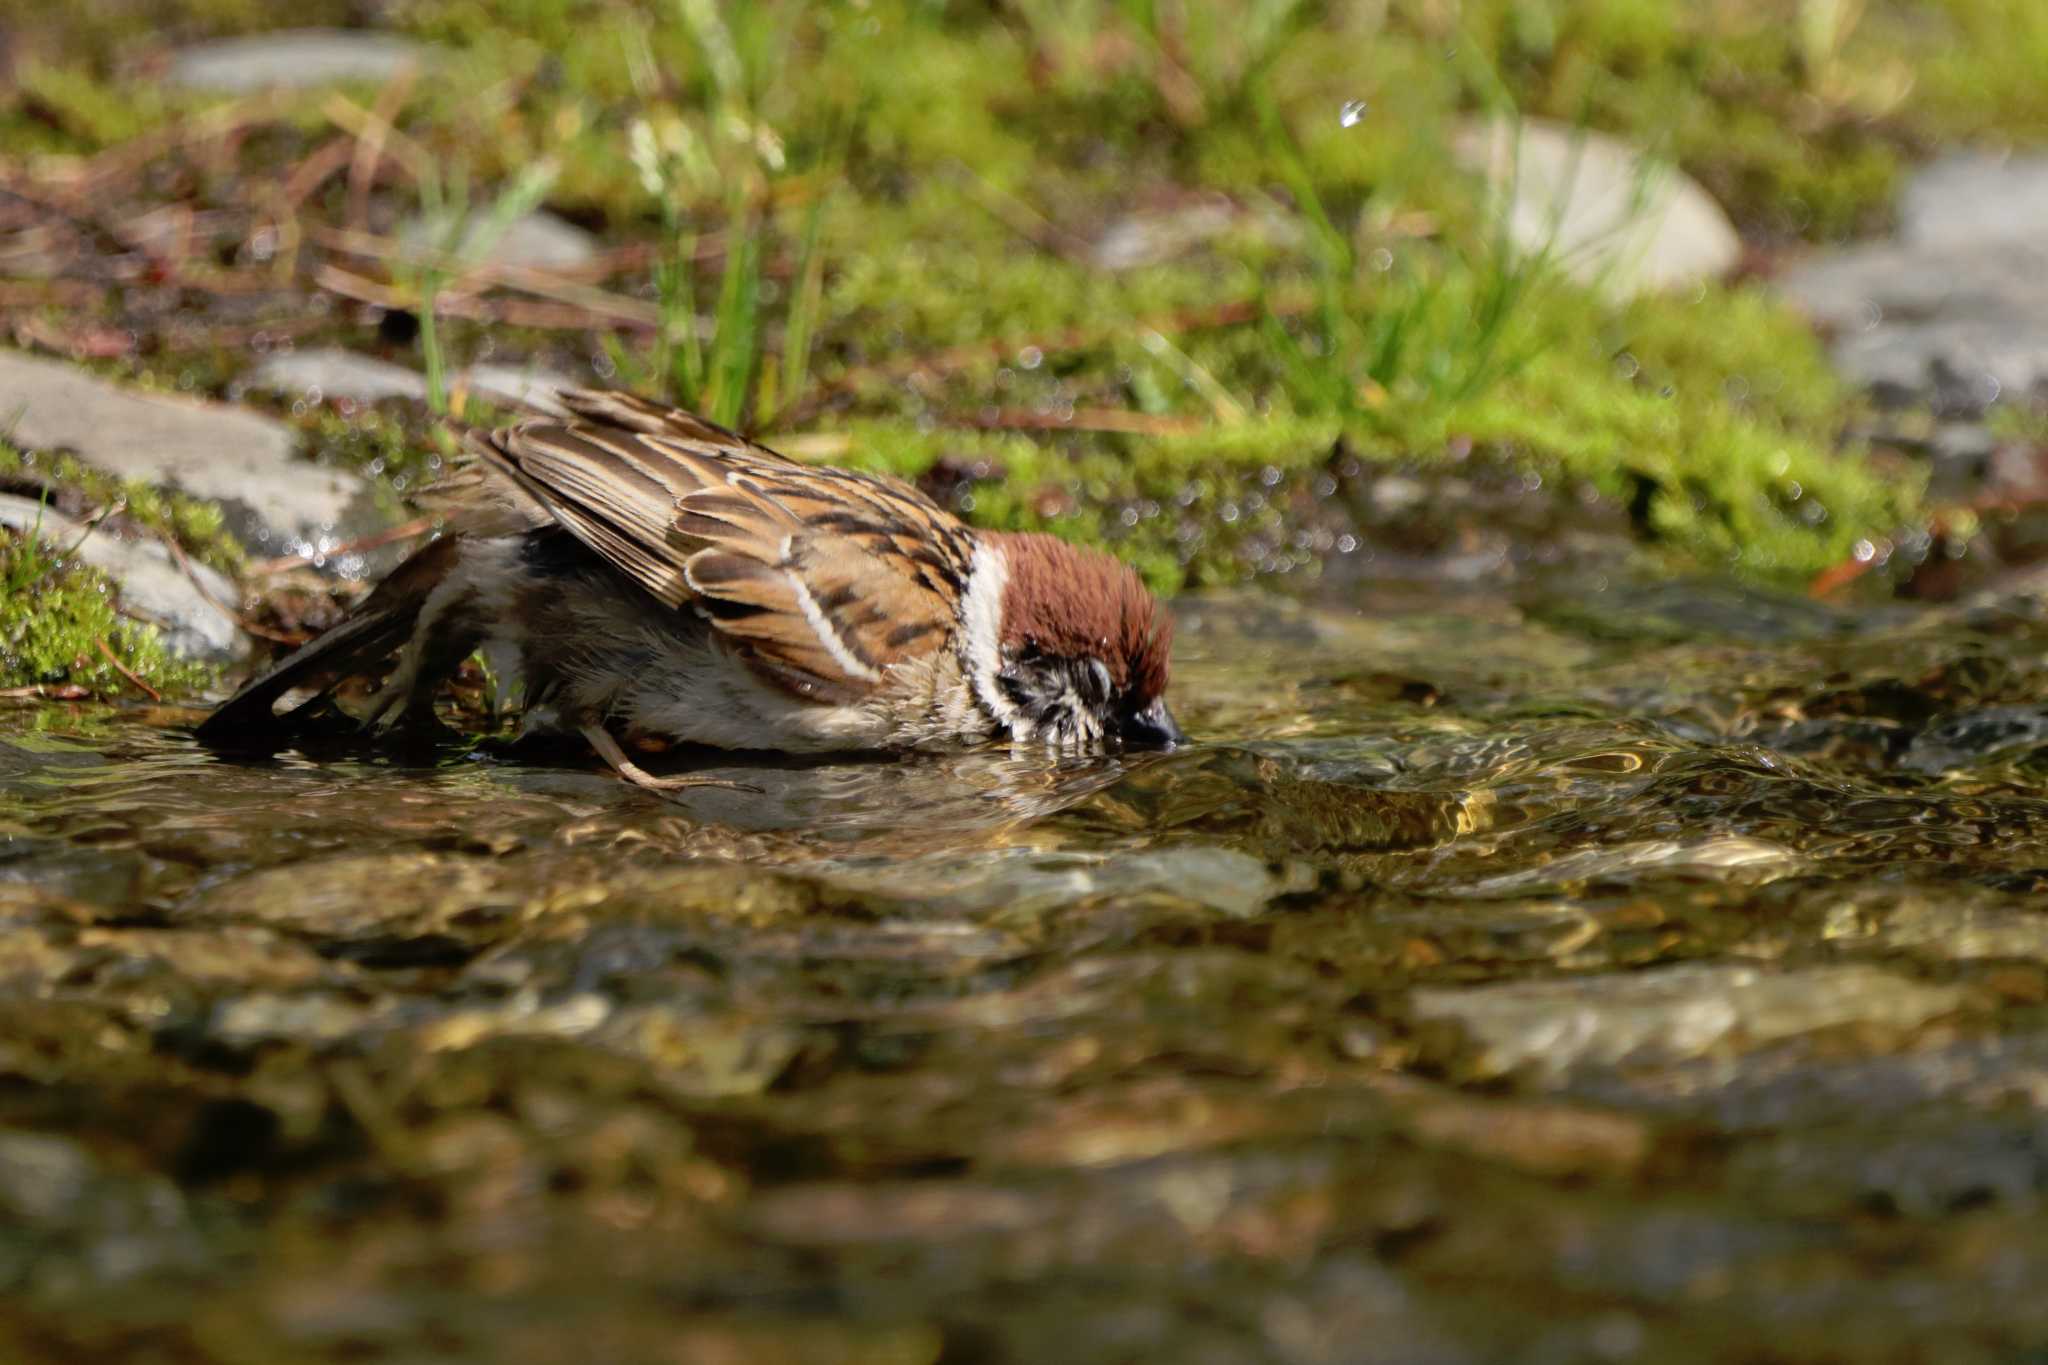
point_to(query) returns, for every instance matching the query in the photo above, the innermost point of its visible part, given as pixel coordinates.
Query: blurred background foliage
(891, 223)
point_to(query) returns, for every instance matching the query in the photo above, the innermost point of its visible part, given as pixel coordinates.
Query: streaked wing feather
(628, 412)
(821, 578)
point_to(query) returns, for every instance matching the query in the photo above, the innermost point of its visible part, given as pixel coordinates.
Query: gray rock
(1970, 198)
(1955, 313)
(1862, 288)
(1149, 236)
(539, 240)
(151, 582)
(1960, 366)
(1608, 214)
(293, 59)
(242, 460)
(330, 372)
(1957, 326)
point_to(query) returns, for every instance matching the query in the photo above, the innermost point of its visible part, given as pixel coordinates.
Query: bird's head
(1075, 657)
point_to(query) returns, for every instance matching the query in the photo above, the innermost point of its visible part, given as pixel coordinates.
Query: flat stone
(1606, 213)
(1232, 884)
(243, 460)
(1958, 326)
(1672, 1014)
(1960, 366)
(292, 59)
(539, 240)
(1862, 288)
(1151, 235)
(1971, 198)
(151, 582)
(329, 372)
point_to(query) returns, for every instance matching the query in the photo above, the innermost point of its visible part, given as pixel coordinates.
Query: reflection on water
(1623, 973)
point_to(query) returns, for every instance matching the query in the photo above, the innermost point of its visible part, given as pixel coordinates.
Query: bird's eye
(1097, 682)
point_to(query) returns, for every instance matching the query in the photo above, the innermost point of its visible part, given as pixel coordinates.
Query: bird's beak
(1153, 728)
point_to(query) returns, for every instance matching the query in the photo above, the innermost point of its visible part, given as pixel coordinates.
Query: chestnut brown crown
(1080, 628)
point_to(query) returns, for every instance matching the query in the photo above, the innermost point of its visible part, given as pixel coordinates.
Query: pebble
(292, 59)
(538, 241)
(1606, 213)
(1151, 235)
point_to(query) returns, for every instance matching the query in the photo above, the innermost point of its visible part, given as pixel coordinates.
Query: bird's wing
(820, 578)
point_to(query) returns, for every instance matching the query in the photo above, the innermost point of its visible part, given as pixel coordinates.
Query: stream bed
(1596, 970)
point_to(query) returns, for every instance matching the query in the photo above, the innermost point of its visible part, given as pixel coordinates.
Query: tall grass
(33, 560)
(738, 367)
(1412, 324)
(458, 240)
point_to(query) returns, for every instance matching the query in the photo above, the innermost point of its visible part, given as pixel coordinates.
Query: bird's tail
(376, 629)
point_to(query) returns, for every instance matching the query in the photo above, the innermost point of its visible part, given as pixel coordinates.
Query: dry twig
(122, 669)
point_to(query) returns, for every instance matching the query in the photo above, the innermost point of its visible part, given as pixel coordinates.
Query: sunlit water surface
(1617, 973)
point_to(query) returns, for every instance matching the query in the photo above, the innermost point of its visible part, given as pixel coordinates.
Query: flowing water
(1601, 973)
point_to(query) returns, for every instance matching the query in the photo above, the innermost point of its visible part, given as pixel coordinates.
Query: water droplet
(1031, 357)
(1352, 112)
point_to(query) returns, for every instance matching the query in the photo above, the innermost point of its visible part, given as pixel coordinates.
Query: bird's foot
(608, 749)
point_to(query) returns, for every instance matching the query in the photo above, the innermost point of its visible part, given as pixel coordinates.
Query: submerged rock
(1673, 1014)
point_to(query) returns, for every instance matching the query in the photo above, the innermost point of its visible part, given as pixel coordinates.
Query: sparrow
(658, 577)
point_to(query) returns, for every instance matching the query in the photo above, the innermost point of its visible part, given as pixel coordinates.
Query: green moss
(1976, 65)
(73, 111)
(58, 625)
(1719, 409)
